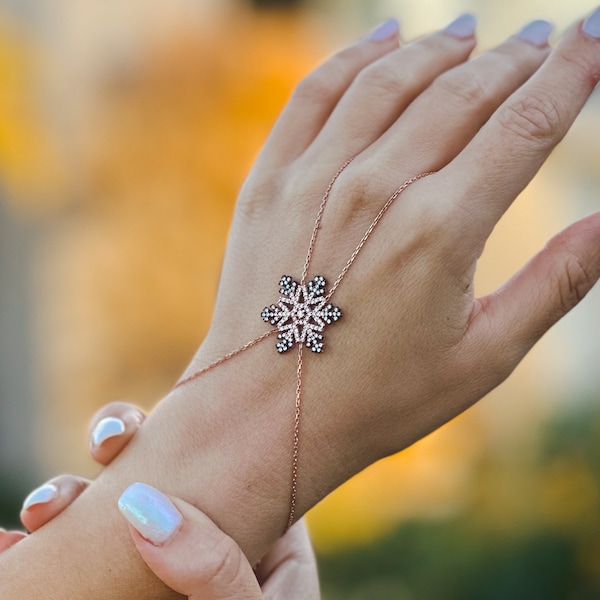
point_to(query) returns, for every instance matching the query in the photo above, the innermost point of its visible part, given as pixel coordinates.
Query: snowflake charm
(301, 313)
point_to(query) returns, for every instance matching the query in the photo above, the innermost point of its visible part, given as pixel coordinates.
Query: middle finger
(440, 122)
(382, 90)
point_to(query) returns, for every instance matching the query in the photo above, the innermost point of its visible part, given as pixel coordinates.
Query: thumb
(549, 286)
(185, 549)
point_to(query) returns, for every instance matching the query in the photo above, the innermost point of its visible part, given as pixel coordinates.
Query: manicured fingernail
(107, 428)
(536, 33)
(463, 27)
(591, 25)
(2, 530)
(43, 494)
(150, 512)
(386, 30)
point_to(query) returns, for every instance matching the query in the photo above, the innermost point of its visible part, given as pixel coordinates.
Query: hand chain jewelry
(301, 314)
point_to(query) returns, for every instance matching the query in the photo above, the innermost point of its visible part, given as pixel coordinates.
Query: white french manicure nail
(41, 495)
(107, 428)
(2, 530)
(150, 512)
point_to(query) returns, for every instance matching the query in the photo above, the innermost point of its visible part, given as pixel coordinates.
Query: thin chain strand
(317, 225)
(296, 447)
(384, 209)
(221, 360)
(371, 228)
(298, 400)
(298, 403)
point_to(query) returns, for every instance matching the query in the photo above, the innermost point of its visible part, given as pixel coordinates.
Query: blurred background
(126, 129)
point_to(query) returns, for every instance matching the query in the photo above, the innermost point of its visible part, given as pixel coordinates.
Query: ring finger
(438, 124)
(383, 90)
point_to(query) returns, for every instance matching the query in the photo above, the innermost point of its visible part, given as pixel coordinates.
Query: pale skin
(403, 360)
(288, 570)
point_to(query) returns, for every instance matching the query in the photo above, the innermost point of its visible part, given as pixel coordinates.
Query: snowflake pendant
(301, 313)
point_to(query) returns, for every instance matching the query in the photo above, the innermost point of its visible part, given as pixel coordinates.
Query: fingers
(112, 428)
(50, 499)
(289, 570)
(184, 548)
(508, 151)
(9, 538)
(510, 321)
(383, 89)
(442, 120)
(317, 94)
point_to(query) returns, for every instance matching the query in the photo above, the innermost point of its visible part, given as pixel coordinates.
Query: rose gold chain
(317, 224)
(221, 360)
(311, 247)
(371, 228)
(296, 447)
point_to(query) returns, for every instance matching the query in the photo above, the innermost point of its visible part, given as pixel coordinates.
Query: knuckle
(466, 86)
(533, 118)
(581, 65)
(384, 78)
(223, 567)
(327, 80)
(257, 196)
(573, 283)
(353, 188)
(359, 189)
(318, 86)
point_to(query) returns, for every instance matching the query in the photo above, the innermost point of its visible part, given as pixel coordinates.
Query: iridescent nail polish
(152, 514)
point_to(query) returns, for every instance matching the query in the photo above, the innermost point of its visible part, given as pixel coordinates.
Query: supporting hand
(199, 560)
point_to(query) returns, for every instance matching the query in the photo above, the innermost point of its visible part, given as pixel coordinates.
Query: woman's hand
(187, 551)
(198, 559)
(415, 347)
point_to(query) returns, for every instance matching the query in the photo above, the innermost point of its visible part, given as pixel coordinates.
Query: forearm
(222, 443)
(416, 347)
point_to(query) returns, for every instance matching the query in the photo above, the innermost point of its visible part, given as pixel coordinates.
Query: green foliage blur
(11, 499)
(458, 559)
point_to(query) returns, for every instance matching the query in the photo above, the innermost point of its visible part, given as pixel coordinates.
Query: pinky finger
(319, 92)
(50, 499)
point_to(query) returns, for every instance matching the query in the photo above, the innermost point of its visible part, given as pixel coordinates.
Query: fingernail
(386, 30)
(150, 512)
(536, 33)
(463, 27)
(2, 530)
(591, 25)
(107, 428)
(43, 494)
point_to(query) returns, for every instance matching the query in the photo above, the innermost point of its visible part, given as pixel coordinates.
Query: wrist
(240, 417)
